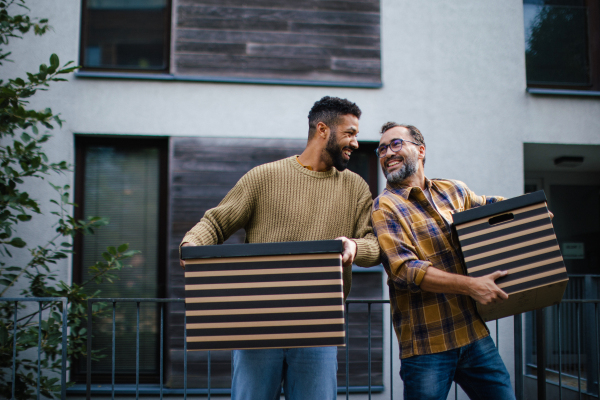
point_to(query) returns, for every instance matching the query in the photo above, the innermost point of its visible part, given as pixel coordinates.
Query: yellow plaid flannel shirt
(414, 236)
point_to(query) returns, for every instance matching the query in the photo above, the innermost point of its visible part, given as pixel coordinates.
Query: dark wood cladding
(316, 40)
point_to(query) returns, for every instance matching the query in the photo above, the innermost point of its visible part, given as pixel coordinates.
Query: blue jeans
(307, 374)
(476, 367)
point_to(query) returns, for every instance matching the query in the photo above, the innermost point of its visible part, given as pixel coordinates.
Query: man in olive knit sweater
(307, 197)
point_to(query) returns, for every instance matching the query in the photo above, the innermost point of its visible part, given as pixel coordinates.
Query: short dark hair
(414, 132)
(328, 110)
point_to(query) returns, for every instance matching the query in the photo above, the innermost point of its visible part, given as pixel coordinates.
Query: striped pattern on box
(275, 301)
(525, 245)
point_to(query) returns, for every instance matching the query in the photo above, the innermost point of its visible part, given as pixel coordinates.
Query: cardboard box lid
(499, 207)
(262, 249)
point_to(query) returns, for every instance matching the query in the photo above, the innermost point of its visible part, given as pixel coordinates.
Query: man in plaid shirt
(441, 336)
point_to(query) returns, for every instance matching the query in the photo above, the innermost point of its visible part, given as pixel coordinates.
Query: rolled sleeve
(406, 271)
(473, 200)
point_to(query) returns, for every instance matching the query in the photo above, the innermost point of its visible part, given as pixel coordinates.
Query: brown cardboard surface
(523, 301)
(525, 245)
(271, 296)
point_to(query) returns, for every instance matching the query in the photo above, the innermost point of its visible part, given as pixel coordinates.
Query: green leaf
(112, 250)
(123, 247)
(130, 253)
(54, 63)
(5, 282)
(17, 242)
(24, 217)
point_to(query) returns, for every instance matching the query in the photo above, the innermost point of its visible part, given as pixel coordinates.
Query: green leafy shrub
(23, 133)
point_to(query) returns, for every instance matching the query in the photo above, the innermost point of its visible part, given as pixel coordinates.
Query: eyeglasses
(395, 145)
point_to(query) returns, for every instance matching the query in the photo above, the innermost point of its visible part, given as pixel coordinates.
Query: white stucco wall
(454, 69)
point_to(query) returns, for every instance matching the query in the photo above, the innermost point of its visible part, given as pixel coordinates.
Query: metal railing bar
(581, 301)
(88, 394)
(366, 301)
(369, 353)
(598, 346)
(184, 357)
(209, 375)
(347, 351)
(63, 377)
(114, 345)
(39, 353)
(391, 354)
(137, 352)
(498, 335)
(162, 308)
(559, 356)
(153, 389)
(578, 312)
(540, 334)
(518, 354)
(30, 299)
(555, 372)
(14, 369)
(132, 300)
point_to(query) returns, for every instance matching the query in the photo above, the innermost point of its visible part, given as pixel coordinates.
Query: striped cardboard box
(268, 295)
(514, 235)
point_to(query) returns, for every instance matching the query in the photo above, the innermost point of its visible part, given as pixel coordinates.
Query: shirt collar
(405, 191)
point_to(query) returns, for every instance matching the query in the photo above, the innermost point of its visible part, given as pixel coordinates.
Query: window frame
(166, 46)
(593, 39)
(82, 142)
(171, 72)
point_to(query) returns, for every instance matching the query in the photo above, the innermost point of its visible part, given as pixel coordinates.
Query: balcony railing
(15, 331)
(580, 379)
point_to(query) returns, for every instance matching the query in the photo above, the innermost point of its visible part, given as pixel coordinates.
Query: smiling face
(398, 167)
(342, 141)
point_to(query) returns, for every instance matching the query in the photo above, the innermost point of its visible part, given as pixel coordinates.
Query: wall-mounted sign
(573, 251)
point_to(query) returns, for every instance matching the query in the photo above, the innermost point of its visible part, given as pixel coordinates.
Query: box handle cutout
(501, 218)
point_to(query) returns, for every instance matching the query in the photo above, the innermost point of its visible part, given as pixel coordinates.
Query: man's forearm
(483, 289)
(438, 281)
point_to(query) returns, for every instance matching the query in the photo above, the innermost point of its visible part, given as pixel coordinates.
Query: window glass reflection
(556, 43)
(126, 34)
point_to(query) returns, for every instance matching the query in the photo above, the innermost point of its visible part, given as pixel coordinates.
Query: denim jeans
(476, 367)
(307, 374)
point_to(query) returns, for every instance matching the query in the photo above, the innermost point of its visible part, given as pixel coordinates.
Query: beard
(335, 152)
(409, 168)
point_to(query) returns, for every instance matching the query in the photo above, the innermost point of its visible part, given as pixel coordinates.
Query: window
(124, 180)
(562, 42)
(126, 35)
(287, 41)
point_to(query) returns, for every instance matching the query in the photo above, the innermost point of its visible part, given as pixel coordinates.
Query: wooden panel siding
(316, 40)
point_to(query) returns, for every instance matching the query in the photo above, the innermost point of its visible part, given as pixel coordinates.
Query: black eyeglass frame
(381, 151)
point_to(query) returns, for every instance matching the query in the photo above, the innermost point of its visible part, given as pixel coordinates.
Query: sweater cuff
(186, 239)
(367, 252)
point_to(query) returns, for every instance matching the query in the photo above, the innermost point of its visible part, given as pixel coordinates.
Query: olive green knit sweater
(283, 202)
